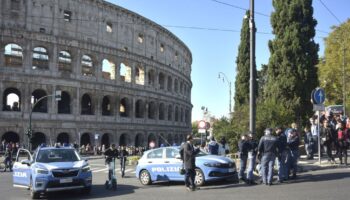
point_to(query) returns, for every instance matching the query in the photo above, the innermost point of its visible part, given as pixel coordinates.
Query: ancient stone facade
(124, 79)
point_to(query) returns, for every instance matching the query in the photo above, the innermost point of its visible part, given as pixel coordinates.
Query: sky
(215, 35)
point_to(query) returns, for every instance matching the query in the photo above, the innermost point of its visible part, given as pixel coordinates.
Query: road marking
(100, 170)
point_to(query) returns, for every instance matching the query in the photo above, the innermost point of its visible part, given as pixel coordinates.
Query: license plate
(230, 170)
(66, 180)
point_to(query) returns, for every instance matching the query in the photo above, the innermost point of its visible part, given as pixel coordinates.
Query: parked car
(51, 169)
(164, 164)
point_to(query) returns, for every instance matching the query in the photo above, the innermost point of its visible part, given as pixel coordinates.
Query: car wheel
(145, 177)
(33, 194)
(199, 179)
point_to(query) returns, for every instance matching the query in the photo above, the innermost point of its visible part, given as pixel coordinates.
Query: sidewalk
(312, 165)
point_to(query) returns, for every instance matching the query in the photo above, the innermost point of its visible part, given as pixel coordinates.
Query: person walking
(343, 142)
(326, 140)
(123, 154)
(189, 159)
(110, 154)
(269, 148)
(293, 143)
(243, 147)
(253, 150)
(224, 149)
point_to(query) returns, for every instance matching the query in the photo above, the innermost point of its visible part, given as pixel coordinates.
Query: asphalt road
(323, 184)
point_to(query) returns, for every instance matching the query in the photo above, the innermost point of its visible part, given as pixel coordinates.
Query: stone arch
(107, 106)
(139, 109)
(170, 112)
(64, 105)
(140, 75)
(124, 139)
(170, 83)
(108, 69)
(151, 138)
(139, 140)
(38, 138)
(125, 72)
(42, 105)
(10, 137)
(105, 140)
(40, 58)
(64, 61)
(87, 66)
(161, 81)
(86, 105)
(161, 111)
(13, 55)
(152, 110)
(124, 107)
(85, 139)
(11, 100)
(151, 77)
(63, 138)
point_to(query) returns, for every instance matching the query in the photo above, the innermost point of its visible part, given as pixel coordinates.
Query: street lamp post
(224, 77)
(57, 96)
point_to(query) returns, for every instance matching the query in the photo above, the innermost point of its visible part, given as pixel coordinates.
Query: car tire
(199, 178)
(145, 177)
(33, 194)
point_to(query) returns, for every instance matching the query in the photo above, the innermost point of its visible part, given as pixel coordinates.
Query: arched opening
(125, 72)
(152, 140)
(161, 111)
(170, 84)
(182, 115)
(64, 61)
(161, 81)
(105, 140)
(123, 140)
(108, 70)
(140, 75)
(176, 114)
(86, 105)
(87, 66)
(170, 112)
(13, 55)
(63, 138)
(38, 138)
(63, 106)
(106, 106)
(139, 109)
(11, 100)
(176, 86)
(40, 58)
(151, 77)
(139, 140)
(9, 137)
(152, 110)
(124, 107)
(85, 139)
(41, 106)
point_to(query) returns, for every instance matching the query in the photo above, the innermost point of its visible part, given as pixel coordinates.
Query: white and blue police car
(51, 169)
(164, 164)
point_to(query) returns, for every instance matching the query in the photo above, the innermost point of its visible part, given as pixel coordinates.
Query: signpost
(202, 128)
(318, 97)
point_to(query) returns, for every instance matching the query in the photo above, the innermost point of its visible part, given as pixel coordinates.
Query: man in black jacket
(326, 140)
(111, 153)
(189, 155)
(243, 147)
(293, 143)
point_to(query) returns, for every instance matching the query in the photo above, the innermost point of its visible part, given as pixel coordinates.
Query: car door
(155, 164)
(173, 163)
(21, 168)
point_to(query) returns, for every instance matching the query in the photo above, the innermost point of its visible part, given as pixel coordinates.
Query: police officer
(243, 146)
(283, 155)
(253, 150)
(293, 143)
(269, 148)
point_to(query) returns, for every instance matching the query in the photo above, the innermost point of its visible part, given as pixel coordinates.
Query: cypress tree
(243, 67)
(292, 74)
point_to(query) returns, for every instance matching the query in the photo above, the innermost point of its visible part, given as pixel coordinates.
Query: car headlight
(41, 171)
(214, 164)
(85, 168)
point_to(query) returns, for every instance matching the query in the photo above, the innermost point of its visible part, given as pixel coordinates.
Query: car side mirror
(178, 156)
(26, 162)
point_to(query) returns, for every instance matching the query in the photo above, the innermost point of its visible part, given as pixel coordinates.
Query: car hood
(214, 158)
(61, 165)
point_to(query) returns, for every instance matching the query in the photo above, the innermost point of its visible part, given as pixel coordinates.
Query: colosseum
(123, 78)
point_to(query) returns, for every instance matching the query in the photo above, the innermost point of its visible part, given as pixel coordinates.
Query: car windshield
(57, 155)
(201, 153)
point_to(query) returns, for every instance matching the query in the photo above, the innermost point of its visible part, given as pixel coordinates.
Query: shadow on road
(97, 192)
(320, 177)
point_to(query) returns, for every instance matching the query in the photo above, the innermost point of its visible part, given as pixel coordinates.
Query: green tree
(195, 129)
(223, 128)
(330, 71)
(243, 67)
(292, 74)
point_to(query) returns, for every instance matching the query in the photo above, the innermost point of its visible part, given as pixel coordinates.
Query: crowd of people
(100, 149)
(10, 151)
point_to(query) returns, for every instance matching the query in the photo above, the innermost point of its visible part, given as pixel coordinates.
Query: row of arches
(14, 56)
(110, 106)
(140, 140)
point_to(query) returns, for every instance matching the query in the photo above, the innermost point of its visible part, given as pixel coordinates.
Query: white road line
(100, 170)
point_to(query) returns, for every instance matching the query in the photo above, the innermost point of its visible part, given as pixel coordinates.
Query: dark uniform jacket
(189, 154)
(282, 140)
(243, 147)
(253, 147)
(293, 143)
(326, 135)
(110, 154)
(269, 145)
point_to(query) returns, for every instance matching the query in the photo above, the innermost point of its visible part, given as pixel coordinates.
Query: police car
(51, 169)
(164, 164)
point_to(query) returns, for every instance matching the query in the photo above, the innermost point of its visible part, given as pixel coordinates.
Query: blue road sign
(319, 96)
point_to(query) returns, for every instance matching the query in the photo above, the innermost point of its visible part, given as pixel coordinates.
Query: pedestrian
(309, 144)
(110, 155)
(269, 148)
(189, 159)
(343, 142)
(253, 150)
(243, 147)
(326, 140)
(123, 154)
(224, 149)
(314, 123)
(213, 146)
(293, 143)
(8, 159)
(283, 155)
